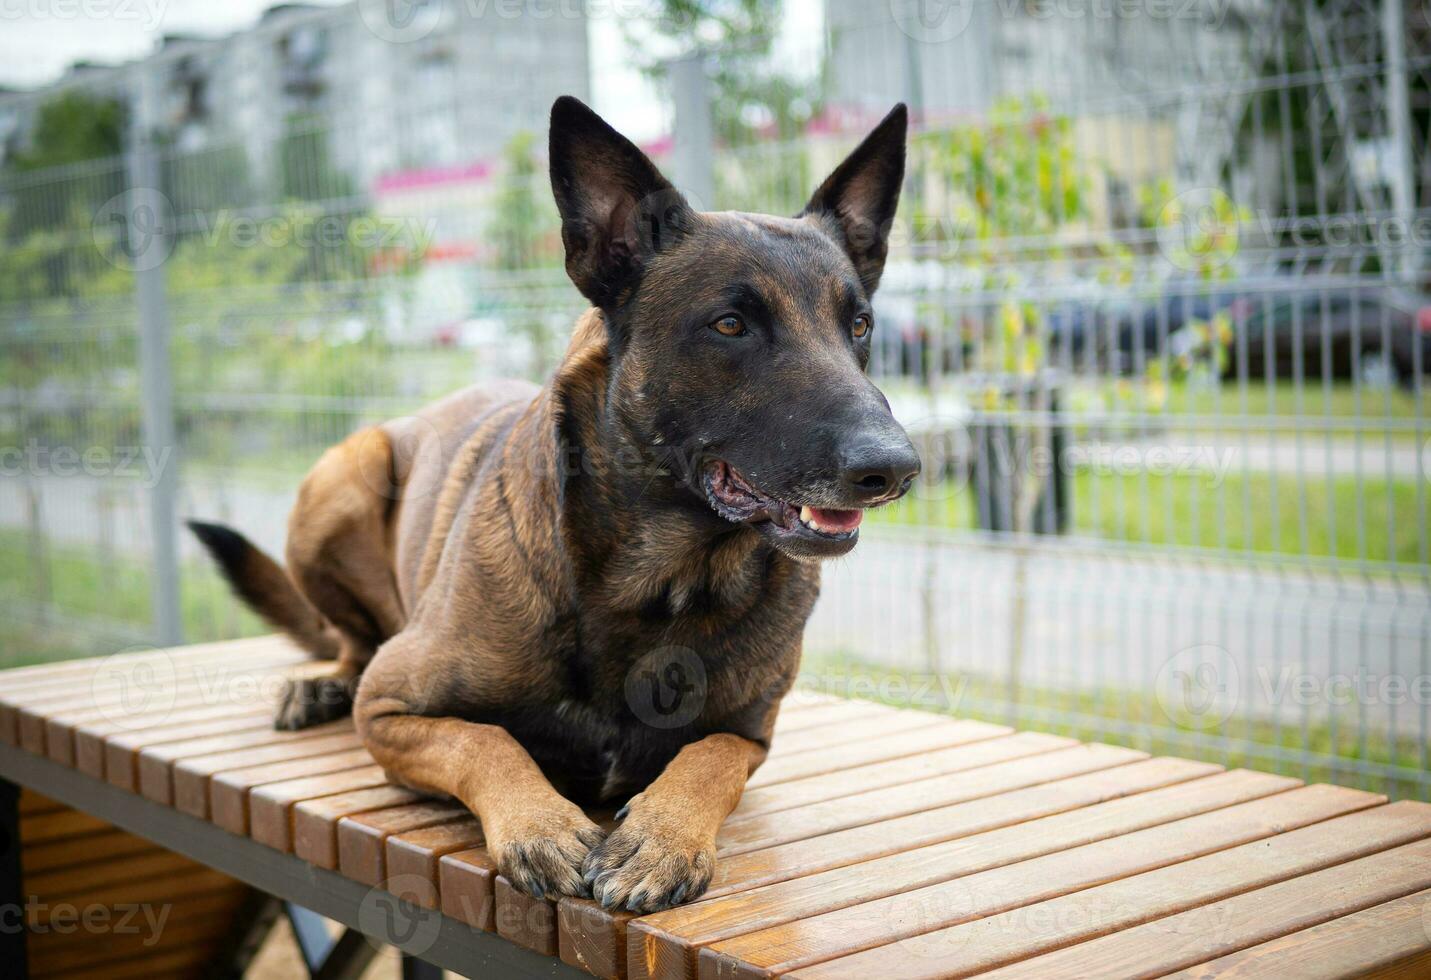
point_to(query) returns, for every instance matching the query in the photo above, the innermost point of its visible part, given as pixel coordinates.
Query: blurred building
(1127, 75)
(441, 91)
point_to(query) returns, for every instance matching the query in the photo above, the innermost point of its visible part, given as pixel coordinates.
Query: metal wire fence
(1155, 313)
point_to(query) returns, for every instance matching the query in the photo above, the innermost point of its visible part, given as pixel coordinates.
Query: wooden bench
(875, 842)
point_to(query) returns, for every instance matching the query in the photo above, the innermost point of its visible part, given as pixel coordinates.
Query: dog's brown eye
(729, 326)
(862, 325)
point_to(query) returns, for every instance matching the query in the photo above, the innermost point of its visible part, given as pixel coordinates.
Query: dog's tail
(262, 583)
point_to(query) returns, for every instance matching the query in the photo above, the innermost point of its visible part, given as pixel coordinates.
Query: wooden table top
(874, 842)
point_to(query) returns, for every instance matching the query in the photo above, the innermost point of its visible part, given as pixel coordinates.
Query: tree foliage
(752, 95)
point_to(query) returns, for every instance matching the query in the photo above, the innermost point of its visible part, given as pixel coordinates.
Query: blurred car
(1342, 333)
(1121, 336)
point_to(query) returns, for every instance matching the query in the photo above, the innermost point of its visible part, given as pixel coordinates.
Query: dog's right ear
(617, 210)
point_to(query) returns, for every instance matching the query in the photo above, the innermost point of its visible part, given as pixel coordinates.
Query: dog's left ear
(617, 210)
(858, 200)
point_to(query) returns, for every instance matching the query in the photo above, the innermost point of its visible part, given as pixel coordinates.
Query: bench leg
(12, 887)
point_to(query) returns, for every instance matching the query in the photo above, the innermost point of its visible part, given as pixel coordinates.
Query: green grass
(99, 606)
(1132, 718)
(1255, 513)
(1339, 410)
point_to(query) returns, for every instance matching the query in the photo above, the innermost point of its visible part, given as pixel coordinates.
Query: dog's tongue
(837, 520)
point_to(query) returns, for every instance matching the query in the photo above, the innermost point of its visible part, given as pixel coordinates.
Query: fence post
(694, 151)
(155, 371)
(1398, 122)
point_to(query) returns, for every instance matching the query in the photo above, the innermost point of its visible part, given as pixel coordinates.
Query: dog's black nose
(878, 468)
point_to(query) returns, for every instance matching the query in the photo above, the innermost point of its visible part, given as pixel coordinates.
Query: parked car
(1343, 333)
(1118, 337)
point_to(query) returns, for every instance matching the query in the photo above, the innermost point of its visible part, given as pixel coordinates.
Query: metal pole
(694, 150)
(156, 378)
(1398, 123)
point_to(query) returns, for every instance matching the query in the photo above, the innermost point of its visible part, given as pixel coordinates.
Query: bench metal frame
(427, 938)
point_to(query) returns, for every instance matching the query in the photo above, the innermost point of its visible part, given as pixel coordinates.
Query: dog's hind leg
(340, 556)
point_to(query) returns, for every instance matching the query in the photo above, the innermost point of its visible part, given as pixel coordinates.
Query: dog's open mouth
(735, 499)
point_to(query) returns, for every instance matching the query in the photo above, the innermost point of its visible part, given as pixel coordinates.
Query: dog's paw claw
(547, 859)
(647, 870)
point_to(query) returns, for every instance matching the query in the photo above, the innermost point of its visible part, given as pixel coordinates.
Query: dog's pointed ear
(617, 210)
(857, 202)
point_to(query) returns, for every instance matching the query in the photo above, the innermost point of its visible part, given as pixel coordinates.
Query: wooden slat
(98, 846)
(362, 839)
(1019, 933)
(135, 943)
(529, 922)
(64, 671)
(40, 828)
(827, 714)
(845, 753)
(92, 739)
(51, 682)
(816, 819)
(214, 686)
(603, 939)
(315, 822)
(153, 762)
(468, 888)
(32, 802)
(185, 783)
(802, 698)
(271, 805)
(110, 694)
(114, 756)
(591, 938)
(665, 944)
(66, 882)
(180, 963)
(1390, 941)
(1012, 797)
(413, 857)
(166, 888)
(229, 791)
(778, 950)
(1209, 931)
(144, 925)
(936, 751)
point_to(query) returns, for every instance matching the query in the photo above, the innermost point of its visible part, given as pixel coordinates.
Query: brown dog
(598, 588)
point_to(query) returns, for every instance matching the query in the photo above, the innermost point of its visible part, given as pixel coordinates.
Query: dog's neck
(638, 539)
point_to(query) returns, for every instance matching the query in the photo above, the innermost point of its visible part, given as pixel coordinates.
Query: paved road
(1312, 456)
(1281, 644)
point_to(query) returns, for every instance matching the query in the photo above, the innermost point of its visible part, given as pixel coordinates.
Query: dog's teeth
(806, 514)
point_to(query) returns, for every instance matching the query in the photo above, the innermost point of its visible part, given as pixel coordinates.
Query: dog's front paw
(541, 853)
(651, 862)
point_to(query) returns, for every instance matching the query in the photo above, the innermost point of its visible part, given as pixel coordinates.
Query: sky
(39, 39)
